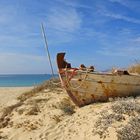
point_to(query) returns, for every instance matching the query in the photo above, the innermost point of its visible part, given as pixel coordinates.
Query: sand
(51, 115)
(8, 94)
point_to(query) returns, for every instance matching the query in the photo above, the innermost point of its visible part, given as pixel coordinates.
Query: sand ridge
(50, 115)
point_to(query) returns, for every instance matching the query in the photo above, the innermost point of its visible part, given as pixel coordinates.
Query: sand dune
(50, 115)
(8, 94)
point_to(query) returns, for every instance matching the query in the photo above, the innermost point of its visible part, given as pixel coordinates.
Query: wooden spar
(47, 48)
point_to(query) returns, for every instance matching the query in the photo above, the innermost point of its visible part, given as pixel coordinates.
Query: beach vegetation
(135, 68)
(51, 84)
(67, 106)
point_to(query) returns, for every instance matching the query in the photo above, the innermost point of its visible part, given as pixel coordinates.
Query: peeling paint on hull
(100, 87)
(88, 87)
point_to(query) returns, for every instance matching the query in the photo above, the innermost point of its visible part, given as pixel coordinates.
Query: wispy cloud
(126, 47)
(120, 1)
(62, 24)
(90, 26)
(131, 4)
(5, 14)
(21, 38)
(120, 52)
(16, 63)
(74, 4)
(66, 20)
(136, 40)
(121, 17)
(104, 11)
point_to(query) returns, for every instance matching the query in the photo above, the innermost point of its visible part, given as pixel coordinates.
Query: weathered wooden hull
(99, 87)
(89, 87)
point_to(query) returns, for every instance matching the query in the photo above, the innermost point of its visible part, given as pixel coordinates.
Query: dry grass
(4, 117)
(131, 130)
(135, 68)
(51, 84)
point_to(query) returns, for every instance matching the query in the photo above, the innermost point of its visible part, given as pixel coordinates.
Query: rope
(56, 84)
(68, 79)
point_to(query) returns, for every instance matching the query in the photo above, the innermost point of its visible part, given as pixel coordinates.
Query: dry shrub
(34, 110)
(119, 109)
(131, 131)
(128, 106)
(135, 68)
(67, 106)
(105, 120)
(51, 84)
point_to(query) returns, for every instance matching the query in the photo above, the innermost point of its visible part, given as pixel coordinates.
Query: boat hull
(86, 87)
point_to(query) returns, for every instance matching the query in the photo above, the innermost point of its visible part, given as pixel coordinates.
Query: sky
(103, 33)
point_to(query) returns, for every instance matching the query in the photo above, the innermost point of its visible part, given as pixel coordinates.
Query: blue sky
(103, 33)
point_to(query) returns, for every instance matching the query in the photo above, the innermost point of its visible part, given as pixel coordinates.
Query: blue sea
(23, 80)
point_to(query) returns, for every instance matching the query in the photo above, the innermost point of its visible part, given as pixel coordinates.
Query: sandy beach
(50, 115)
(8, 95)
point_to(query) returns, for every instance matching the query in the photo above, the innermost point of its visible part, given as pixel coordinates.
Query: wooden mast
(47, 48)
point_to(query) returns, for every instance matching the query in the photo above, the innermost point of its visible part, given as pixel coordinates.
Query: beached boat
(86, 86)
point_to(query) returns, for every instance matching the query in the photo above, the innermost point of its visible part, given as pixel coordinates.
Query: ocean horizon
(23, 80)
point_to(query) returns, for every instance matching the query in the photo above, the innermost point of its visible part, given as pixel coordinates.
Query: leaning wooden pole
(47, 48)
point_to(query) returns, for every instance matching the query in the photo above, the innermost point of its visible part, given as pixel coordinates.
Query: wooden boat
(87, 86)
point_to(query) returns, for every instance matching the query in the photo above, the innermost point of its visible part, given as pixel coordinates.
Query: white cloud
(18, 34)
(13, 63)
(131, 4)
(8, 14)
(119, 1)
(121, 51)
(62, 24)
(102, 10)
(110, 52)
(136, 40)
(121, 17)
(64, 19)
(74, 4)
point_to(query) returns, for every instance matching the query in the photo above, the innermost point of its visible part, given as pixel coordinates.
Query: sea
(23, 80)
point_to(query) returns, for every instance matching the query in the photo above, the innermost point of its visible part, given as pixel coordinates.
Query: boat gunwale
(98, 73)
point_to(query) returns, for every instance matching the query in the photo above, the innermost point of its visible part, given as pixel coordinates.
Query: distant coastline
(23, 80)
